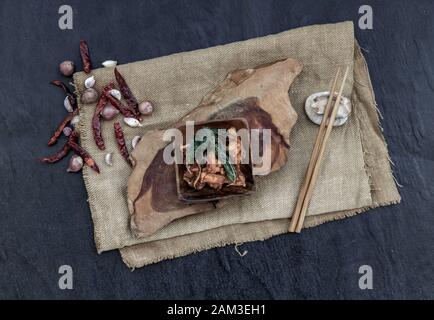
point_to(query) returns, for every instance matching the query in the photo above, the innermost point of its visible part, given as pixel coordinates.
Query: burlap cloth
(355, 175)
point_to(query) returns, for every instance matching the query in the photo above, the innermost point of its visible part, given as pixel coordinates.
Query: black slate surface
(45, 219)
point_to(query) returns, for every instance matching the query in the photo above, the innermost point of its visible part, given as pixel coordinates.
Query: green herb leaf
(229, 167)
(224, 159)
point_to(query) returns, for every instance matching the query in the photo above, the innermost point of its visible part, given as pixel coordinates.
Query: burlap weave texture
(176, 84)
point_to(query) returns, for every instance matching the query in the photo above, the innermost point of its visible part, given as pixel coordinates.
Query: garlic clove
(109, 159)
(67, 104)
(75, 163)
(109, 63)
(89, 82)
(135, 141)
(115, 94)
(75, 120)
(133, 122)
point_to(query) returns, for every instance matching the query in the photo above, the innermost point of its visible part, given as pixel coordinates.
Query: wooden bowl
(207, 194)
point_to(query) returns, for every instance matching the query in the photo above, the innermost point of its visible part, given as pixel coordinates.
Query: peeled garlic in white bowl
(315, 106)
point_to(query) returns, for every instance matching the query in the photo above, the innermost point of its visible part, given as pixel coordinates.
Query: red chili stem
(62, 125)
(84, 154)
(126, 93)
(85, 56)
(120, 139)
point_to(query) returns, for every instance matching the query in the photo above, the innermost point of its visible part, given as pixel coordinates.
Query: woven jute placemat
(358, 171)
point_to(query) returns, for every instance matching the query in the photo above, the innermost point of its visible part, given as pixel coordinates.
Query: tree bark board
(260, 95)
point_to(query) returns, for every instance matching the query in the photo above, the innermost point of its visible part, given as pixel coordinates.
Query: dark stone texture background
(45, 219)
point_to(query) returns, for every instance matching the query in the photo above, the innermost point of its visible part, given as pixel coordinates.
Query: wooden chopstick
(313, 157)
(315, 172)
(317, 155)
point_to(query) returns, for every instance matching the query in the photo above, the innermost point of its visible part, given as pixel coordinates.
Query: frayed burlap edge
(246, 237)
(90, 195)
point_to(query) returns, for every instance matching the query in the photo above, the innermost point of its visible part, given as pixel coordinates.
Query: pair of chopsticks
(317, 155)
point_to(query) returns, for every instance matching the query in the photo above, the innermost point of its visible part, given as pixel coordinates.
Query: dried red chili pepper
(96, 122)
(61, 85)
(73, 136)
(85, 56)
(120, 139)
(126, 93)
(124, 110)
(71, 97)
(62, 125)
(84, 154)
(62, 153)
(96, 119)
